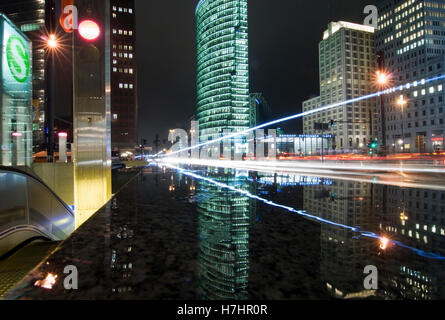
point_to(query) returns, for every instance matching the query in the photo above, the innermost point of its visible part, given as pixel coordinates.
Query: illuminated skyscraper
(410, 40)
(224, 224)
(347, 59)
(123, 76)
(222, 67)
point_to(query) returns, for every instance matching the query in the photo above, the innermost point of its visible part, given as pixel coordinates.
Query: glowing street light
(384, 242)
(402, 102)
(52, 41)
(382, 78)
(403, 217)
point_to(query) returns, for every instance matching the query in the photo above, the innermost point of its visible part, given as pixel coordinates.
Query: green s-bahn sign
(18, 59)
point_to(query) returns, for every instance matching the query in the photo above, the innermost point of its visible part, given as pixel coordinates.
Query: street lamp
(382, 79)
(52, 41)
(402, 103)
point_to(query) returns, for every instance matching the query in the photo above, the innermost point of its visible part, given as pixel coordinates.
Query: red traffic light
(89, 30)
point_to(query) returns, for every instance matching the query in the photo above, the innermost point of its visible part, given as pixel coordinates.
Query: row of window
(126, 86)
(124, 55)
(123, 70)
(124, 10)
(123, 32)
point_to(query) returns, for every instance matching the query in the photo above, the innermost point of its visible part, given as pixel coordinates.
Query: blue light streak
(310, 112)
(303, 213)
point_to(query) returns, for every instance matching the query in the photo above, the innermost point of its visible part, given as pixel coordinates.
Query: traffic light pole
(381, 65)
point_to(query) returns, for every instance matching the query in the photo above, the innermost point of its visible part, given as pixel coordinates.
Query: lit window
(121, 85)
(115, 116)
(130, 10)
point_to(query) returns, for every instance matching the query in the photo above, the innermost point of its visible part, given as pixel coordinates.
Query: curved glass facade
(225, 220)
(222, 67)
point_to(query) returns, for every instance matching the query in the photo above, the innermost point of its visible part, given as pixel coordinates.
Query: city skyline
(305, 158)
(170, 96)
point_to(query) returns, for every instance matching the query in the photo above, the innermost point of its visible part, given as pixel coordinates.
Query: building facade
(222, 67)
(411, 40)
(225, 220)
(347, 66)
(124, 106)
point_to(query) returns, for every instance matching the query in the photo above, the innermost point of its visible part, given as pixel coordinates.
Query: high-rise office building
(344, 203)
(222, 67)
(224, 223)
(30, 16)
(347, 64)
(415, 217)
(411, 41)
(124, 107)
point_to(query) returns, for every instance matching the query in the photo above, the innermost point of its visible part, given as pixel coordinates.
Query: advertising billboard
(16, 101)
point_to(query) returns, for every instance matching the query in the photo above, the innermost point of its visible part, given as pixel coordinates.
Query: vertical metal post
(381, 65)
(49, 114)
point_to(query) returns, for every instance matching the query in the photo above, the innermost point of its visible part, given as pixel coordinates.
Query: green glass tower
(222, 67)
(225, 218)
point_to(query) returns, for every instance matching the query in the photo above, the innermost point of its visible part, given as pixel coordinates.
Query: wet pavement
(207, 233)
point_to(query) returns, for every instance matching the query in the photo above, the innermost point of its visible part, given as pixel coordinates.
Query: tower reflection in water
(224, 221)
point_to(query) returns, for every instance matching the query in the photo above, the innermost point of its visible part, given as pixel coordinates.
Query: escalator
(33, 219)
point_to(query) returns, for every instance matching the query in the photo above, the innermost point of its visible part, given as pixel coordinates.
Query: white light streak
(310, 112)
(303, 213)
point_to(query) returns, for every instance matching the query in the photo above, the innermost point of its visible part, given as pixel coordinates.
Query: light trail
(321, 109)
(303, 213)
(347, 171)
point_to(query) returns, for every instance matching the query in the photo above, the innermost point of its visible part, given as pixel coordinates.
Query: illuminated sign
(69, 16)
(16, 96)
(18, 58)
(315, 181)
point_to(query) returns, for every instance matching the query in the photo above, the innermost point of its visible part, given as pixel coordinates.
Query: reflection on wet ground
(227, 234)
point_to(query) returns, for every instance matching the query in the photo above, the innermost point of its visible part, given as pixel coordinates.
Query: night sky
(283, 52)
